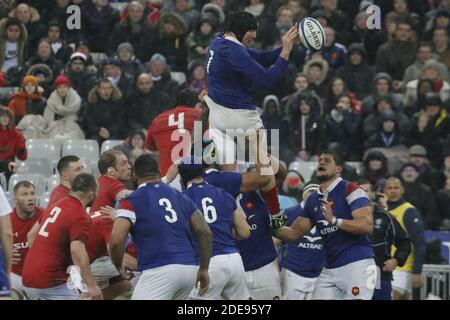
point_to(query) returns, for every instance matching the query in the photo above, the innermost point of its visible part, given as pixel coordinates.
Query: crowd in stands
(380, 97)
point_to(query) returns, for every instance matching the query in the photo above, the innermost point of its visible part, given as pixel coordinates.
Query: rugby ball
(311, 34)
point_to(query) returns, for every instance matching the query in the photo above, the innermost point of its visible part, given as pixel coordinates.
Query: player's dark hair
(108, 159)
(64, 162)
(146, 167)
(239, 23)
(363, 181)
(84, 183)
(23, 184)
(337, 157)
(188, 98)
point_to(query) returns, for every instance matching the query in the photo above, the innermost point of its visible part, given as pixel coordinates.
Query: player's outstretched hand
(171, 173)
(126, 273)
(327, 211)
(95, 293)
(110, 211)
(277, 222)
(288, 41)
(203, 280)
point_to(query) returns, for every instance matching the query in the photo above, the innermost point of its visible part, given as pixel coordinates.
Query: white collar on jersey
(142, 185)
(232, 39)
(211, 170)
(331, 186)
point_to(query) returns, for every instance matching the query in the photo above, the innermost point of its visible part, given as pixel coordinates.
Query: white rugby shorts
(402, 281)
(103, 270)
(264, 283)
(354, 281)
(295, 287)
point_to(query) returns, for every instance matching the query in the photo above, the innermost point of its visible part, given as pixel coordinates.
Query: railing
(436, 282)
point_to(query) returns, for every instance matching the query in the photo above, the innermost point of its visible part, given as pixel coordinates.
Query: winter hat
(111, 61)
(357, 47)
(432, 99)
(382, 75)
(60, 80)
(78, 56)
(30, 79)
(125, 46)
(239, 23)
(388, 116)
(158, 57)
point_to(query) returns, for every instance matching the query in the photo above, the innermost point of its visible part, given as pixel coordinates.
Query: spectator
(441, 20)
(197, 78)
(12, 141)
(293, 184)
(375, 167)
(200, 38)
(61, 51)
(307, 128)
(373, 122)
(431, 70)
(152, 10)
(6, 7)
(420, 196)
(145, 103)
(443, 204)
(356, 73)
(137, 31)
(61, 112)
(161, 77)
(424, 86)
(396, 55)
(336, 88)
(424, 54)
(300, 83)
(133, 147)
(27, 101)
(128, 63)
(13, 43)
(100, 21)
(382, 86)
(388, 135)
(334, 53)
(31, 19)
(432, 125)
(401, 12)
(337, 19)
(444, 173)
(105, 112)
(343, 127)
(284, 21)
(441, 45)
(316, 71)
(273, 119)
(44, 56)
(184, 9)
(112, 72)
(81, 79)
(172, 40)
(427, 174)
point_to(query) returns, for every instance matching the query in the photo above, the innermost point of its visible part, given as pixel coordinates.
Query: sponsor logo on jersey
(355, 291)
(250, 205)
(313, 246)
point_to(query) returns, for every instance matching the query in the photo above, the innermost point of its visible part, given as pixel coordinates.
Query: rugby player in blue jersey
(233, 68)
(342, 213)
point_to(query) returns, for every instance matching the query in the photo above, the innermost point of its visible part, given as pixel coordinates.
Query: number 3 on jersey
(164, 202)
(53, 216)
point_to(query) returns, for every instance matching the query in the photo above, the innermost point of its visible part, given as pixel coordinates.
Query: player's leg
(218, 277)
(61, 292)
(295, 287)
(384, 292)
(357, 280)
(401, 285)
(326, 288)
(264, 283)
(17, 287)
(236, 286)
(108, 278)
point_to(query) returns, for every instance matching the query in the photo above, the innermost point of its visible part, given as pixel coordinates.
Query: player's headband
(241, 22)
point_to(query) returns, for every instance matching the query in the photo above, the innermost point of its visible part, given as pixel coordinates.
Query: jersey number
(53, 216)
(209, 211)
(179, 123)
(211, 56)
(168, 207)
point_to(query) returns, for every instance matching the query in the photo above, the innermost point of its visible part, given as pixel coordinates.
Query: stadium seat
(6, 93)
(37, 179)
(179, 77)
(43, 200)
(52, 182)
(84, 149)
(92, 167)
(10, 199)
(119, 5)
(305, 168)
(40, 165)
(44, 148)
(98, 57)
(355, 164)
(110, 144)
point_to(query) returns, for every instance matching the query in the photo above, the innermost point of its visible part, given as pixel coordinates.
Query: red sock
(271, 198)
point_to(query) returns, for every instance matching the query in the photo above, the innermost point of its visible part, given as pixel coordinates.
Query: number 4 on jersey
(179, 122)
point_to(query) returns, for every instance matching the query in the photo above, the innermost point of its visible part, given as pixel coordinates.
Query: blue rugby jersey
(218, 208)
(161, 217)
(233, 69)
(258, 250)
(341, 247)
(229, 181)
(306, 256)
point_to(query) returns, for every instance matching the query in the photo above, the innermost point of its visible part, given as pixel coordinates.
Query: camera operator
(387, 232)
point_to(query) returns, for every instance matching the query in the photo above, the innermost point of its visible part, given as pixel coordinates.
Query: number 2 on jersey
(168, 207)
(53, 216)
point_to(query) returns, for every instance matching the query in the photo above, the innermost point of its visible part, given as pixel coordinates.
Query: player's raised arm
(241, 229)
(295, 231)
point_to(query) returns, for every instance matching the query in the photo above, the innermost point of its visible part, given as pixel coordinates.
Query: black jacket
(82, 82)
(386, 233)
